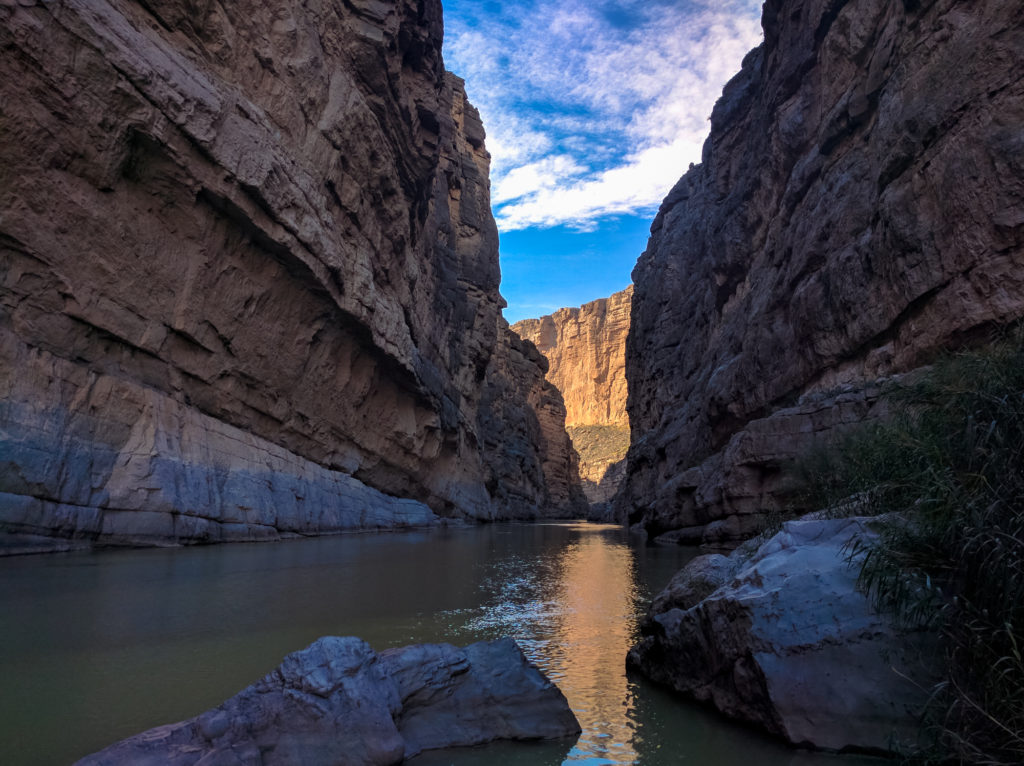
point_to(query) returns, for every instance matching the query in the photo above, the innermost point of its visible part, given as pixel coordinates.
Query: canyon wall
(585, 348)
(249, 282)
(859, 208)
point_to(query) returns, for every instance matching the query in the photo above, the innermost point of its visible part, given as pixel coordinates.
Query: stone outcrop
(781, 638)
(525, 437)
(337, 701)
(249, 279)
(602, 452)
(858, 208)
(585, 349)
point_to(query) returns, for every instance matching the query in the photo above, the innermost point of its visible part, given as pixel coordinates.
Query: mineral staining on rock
(249, 281)
(781, 638)
(859, 207)
(338, 701)
(585, 349)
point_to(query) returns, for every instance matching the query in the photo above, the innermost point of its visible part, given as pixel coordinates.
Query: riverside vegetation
(947, 471)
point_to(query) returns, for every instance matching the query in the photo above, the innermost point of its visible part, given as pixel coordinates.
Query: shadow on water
(96, 647)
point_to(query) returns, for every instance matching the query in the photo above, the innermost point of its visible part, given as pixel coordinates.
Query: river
(95, 647)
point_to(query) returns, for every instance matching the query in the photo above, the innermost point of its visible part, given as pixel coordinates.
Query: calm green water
(96, 647)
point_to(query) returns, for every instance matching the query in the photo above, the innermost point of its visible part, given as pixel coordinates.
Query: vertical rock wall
(585, 348)
(249, 281)
(859, 207)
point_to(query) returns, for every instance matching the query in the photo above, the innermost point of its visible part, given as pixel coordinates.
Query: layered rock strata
(249, 281)
(338, 701)
(781, 638)
(585, 348)
(586, 352)
(859, 207)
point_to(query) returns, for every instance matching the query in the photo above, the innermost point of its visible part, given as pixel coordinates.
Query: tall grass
(949, 466)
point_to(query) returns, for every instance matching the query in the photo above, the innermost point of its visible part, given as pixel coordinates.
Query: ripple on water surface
(96, 647)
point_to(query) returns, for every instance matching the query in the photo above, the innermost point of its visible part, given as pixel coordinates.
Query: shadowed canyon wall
(249, 280)
(586, 350)
(858, 208)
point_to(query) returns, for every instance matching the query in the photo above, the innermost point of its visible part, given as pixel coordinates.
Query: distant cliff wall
(859, 207)
(249, 281)
(585, 348)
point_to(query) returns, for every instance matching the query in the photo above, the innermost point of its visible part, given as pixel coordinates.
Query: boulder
(781, 638)
(339, 702)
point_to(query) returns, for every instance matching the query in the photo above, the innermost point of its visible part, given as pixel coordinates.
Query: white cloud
(586, 118)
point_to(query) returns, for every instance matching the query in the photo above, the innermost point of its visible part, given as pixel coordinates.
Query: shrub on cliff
(949, 466)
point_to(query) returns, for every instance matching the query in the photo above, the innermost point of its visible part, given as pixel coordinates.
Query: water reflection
(96, 647)
(597, 596)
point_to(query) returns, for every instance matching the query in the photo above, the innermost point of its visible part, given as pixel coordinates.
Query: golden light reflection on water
(596, 594)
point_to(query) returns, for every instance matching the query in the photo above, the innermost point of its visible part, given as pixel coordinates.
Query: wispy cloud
(594, 108)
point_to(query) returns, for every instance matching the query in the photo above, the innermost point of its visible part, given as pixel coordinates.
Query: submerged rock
(339, 702)
(783, 639)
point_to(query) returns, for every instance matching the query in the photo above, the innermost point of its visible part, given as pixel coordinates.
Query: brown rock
(530, 462)
(859, 207)
(602, 451)
(248, 269)
(585, 349)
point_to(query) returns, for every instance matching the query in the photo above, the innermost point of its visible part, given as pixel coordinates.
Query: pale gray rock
(781, 638)
(339, 702)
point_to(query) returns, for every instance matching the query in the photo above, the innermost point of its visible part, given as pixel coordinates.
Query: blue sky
(593, 110)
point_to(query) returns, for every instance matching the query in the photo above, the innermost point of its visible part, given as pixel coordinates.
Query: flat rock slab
(339, 702)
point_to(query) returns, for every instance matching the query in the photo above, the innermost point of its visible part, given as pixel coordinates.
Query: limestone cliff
(585, 348)
(858, 208)
(249, 280)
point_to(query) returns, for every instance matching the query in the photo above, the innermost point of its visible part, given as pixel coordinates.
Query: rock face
(337, 701)
(585, 349)
(249, 279)
(525, 437)
(602, 451)
(859, 207)
(783, 640)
